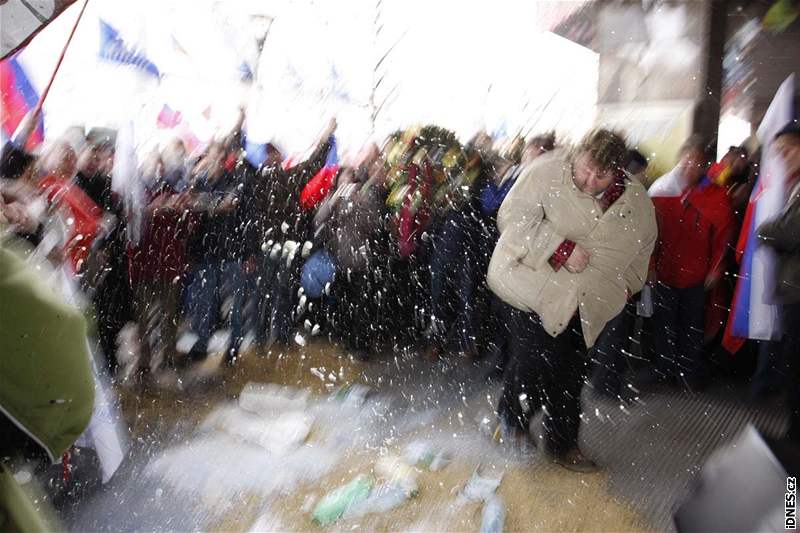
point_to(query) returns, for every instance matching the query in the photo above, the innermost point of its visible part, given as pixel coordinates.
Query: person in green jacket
(46, 382)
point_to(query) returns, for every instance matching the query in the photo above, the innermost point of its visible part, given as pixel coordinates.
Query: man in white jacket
(575, 242)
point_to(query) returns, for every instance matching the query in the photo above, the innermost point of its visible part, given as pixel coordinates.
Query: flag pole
(28, 124)
(40, 103)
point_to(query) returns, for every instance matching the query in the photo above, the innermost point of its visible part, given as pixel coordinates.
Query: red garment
(318, 187)
(564, 250)
(562, 253)
(161, 253)
(695, 230)
(415, 211)
(81, 215)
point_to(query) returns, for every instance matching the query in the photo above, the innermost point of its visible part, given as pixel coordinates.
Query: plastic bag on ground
(279, 435)
(271, 399)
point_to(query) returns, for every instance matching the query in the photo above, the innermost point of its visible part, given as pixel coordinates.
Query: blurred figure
(95, 164)
(214, 196)
(19, 194)
(637, 165)
(783, 236)
(732, 168)
(492, 197)
(734, 174)
(173, 161)
(454, 262)
(560, 292)
(158, 265)
(106, 277)
(537, 146)
(696, 229)
(609, 354)
(277, 229)
(63, 197)
(47, 389)
(352, 231)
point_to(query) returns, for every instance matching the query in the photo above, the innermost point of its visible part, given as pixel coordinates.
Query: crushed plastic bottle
(384, 497)
(493, 516)
(479, 487)
(353, 395)
(334, 504)
(425, 455)
(396, 471)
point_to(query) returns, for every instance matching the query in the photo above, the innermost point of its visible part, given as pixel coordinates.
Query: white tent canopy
(21, 19)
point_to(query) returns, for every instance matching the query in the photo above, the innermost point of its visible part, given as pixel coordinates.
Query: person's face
(106, 159)
(274, 158)
(89, 161)
(62, 161)
(738, 164)
(693, 163)
(788, 147)
(346, 176)
(589, 177)
(152, 169)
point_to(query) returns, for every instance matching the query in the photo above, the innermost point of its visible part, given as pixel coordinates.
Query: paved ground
(185, 475)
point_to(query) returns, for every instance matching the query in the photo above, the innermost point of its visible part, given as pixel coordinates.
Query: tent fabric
(22, 20)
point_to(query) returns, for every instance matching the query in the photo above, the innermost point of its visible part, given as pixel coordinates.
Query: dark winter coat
(783, 235)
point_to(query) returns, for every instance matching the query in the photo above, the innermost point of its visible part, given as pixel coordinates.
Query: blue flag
(113, 48)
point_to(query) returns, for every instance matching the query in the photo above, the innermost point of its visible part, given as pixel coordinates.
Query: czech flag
(18, 99)
(320, 185)
(754, 314)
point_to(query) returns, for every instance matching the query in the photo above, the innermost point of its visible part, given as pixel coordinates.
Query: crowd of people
(529, 253)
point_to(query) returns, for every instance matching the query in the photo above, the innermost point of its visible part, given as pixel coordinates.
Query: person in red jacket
(696, 226)
(81, 216)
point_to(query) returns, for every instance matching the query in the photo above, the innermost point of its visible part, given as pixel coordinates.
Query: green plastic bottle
(336, 502)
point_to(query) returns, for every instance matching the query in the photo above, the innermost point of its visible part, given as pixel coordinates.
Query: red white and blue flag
(755, 315)
(18, 98)
(320, 185)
